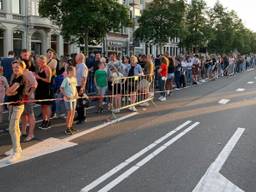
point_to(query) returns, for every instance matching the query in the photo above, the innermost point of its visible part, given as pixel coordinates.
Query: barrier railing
(128, 92)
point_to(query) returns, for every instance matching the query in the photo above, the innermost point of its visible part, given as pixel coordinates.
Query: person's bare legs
(68, 119)
(72, 116)
(24, 121)
(32, 123)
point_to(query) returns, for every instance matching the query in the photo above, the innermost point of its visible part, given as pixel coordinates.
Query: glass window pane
(36, 36)
(1, 5)
(16, 6)
(17, 35)
(1, 43)
(35, 7)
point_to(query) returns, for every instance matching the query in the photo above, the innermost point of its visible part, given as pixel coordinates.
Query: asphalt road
(204, 133)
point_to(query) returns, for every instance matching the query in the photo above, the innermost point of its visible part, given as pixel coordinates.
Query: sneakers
(133, 109)
(160, 98)
(14, 158)
(29, 138)
(8, 153)
(163, 99)
(68, 131)
(42, 124)
(45, 125)
(73, 129)
(146, 104)
(116, 110)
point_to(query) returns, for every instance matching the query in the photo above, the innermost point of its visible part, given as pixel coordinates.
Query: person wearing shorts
(28, 116)
(170, 77)
(68, 89)
(101, 82)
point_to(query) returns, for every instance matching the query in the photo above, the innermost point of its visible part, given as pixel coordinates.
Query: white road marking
(47, 146)
(240, 90)
(53, 145)
(132, 158)
(250, 82)
(224, 101)
(99, 127)
(141, 163)
(212, 180)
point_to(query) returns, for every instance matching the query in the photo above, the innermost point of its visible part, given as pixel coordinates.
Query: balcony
(18, 17)
(2, 15)
(39, 21)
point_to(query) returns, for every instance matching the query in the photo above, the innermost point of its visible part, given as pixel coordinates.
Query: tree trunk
(86, 43)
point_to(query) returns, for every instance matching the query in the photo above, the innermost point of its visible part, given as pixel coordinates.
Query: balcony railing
(39, 21)
(18, 17)
(2, 14)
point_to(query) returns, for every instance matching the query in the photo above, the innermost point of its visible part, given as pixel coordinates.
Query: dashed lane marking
(145, 160)
(132, 158)
(240, 90)
(224, 101)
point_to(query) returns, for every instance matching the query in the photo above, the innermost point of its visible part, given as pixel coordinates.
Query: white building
(21, 27)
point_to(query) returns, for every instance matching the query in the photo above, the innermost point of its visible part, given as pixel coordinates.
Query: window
(16, 6)
(35, 7)
(1, 42)
(1, 5)
(17, 42)
(54, 40)
(36, 43)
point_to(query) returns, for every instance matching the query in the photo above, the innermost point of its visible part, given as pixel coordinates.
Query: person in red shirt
(163, 71)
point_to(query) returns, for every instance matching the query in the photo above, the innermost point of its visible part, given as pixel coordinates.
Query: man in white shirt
(81, 75)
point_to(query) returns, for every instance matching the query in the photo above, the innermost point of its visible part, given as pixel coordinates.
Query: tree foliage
(217, 29)
(197, 27)
(161, 20)
(84, 21)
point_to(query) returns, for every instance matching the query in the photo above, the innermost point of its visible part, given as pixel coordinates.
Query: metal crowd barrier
(128, 92)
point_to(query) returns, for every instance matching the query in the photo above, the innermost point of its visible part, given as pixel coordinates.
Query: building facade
(22, 27)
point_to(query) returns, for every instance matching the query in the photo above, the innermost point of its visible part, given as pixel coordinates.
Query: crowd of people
(53, 83)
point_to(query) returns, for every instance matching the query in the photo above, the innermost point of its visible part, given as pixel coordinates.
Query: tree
(84, 21)
(197, 27)
(161, 20)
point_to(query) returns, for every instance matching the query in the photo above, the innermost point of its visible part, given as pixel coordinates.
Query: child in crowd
(62, 73)
(101, 82)
(68, 89)
(3, 86)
